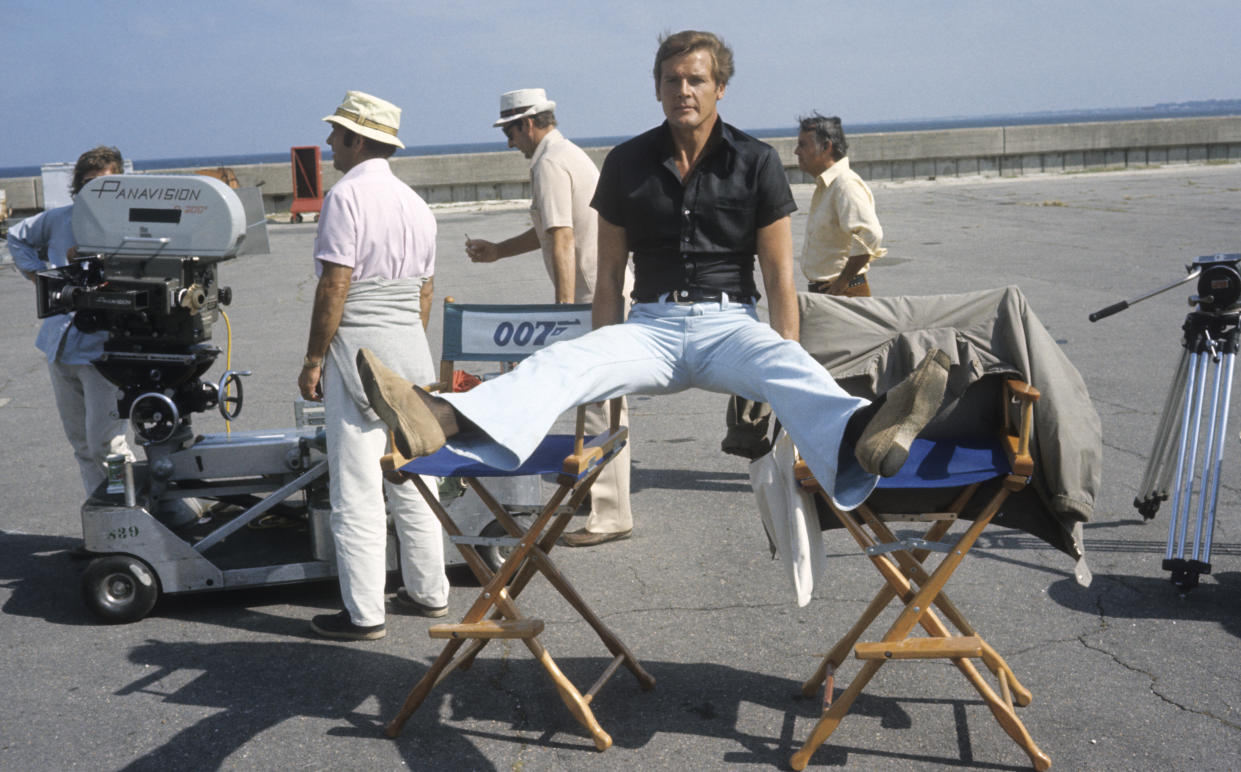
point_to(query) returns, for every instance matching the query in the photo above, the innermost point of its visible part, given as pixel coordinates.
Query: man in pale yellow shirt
(842, 232)
(842, 237)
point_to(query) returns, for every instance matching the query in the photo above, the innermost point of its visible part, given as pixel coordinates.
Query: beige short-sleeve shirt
(562, 181)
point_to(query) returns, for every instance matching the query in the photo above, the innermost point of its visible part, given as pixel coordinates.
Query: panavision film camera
(148, 249)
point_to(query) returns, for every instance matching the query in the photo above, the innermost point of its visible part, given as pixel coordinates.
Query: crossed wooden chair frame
(921, 591)
(495, 613)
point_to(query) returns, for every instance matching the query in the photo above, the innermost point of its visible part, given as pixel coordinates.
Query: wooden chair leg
(836, 657)
(1005, 716)
(422, 688)
(540, 562)
(497, 597)
(830, 720)
(901, 572)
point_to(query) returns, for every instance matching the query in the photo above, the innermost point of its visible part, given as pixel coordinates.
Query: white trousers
(360, 519)
(87, 405)
(661, 349)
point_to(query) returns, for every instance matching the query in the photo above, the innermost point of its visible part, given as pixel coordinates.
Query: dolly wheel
(494, 555)
(119, 588)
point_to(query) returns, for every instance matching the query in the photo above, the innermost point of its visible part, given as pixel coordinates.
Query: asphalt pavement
(1125, 674)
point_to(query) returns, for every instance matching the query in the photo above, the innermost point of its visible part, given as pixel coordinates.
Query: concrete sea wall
(994, 151)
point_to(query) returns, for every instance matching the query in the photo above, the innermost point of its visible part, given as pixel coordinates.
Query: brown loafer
(909, 407)
(415, 430)
(585, 538)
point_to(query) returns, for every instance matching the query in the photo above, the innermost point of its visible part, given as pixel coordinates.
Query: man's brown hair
(688, 41)
(93, 160)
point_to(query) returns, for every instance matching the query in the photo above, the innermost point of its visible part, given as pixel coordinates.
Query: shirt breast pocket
(731, 226)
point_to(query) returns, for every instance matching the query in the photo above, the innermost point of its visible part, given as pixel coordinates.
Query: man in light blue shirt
(85, 399)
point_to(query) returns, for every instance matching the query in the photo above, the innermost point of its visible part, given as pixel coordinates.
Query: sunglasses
(509, 128)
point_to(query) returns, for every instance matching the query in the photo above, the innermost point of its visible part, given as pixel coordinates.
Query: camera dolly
(202, 512)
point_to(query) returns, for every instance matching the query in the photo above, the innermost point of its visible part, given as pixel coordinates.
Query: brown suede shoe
(910, 406)
(415, 431)
(585, 538)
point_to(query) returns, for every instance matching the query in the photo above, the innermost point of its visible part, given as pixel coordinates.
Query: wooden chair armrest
(585, 454)
(1016, 440)
(1021, 390)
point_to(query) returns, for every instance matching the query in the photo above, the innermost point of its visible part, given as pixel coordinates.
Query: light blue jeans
(664, 348)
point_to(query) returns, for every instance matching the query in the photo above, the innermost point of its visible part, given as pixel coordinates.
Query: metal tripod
(1185, 461)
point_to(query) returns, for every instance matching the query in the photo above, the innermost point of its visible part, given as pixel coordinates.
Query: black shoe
(341, 627)
(406, 602)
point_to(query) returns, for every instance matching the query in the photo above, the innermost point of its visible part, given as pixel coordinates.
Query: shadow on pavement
(254, 686)
(1120, 596)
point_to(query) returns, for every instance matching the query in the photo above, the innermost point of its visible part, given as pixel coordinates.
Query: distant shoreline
(1198, 109)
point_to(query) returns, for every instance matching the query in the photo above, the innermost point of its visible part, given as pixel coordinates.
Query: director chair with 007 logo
(994, 467)
(506, 334)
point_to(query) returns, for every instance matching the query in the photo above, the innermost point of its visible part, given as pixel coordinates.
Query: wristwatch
(310, 361)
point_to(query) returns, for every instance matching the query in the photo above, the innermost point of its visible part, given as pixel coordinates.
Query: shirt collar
(722, 136)
(835, 170)
(369, 166)
(551, 138)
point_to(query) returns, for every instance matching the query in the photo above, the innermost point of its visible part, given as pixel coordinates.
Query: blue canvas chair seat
(547, 458)
(991, 467)
(506, 334)
(949, 464)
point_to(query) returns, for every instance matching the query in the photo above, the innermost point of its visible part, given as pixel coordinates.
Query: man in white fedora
(374, 253)
(562, 182)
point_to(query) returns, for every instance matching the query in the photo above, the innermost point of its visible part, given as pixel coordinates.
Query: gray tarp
(870, 344)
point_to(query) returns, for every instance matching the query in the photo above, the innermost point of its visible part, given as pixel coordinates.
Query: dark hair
(373, 148)
(94, 160)
(826, 129)
(544, 119)
(688, 41)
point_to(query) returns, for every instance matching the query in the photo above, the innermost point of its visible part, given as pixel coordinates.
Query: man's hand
(330, 294)
(310, 383)
(481, 250)
(853, 266)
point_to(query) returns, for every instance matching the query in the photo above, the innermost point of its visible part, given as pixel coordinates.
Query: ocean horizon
(1197, 109)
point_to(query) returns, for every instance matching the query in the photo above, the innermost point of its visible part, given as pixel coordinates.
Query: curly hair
(101, 158)
(826, 129)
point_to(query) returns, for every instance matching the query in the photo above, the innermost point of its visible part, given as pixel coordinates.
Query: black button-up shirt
(700, 232)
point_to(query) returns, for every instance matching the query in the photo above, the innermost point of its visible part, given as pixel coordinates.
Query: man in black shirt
(695, 200)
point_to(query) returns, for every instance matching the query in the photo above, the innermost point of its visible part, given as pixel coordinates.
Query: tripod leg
(1187, 457)
(1161, 463)
(1219, 428)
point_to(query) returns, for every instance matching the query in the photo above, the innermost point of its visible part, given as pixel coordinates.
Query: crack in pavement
(1154, 679)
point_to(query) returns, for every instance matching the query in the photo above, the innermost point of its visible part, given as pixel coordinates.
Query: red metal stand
(307, 182)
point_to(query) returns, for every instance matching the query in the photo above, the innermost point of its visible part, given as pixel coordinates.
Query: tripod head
(1219, 287)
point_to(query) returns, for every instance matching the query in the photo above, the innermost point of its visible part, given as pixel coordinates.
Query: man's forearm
(329, 305)
(425, 296)
(853, 266)
(520, 244)
(564, 263)
(610, 264)
(775, 257)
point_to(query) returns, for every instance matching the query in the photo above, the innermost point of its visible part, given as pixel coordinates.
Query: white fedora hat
(523, 102)
(369, 116)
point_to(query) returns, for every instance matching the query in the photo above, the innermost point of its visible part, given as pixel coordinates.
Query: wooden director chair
(507, 334)
(996, 467)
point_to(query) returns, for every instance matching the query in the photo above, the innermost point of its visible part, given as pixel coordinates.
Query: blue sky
(167, 78)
